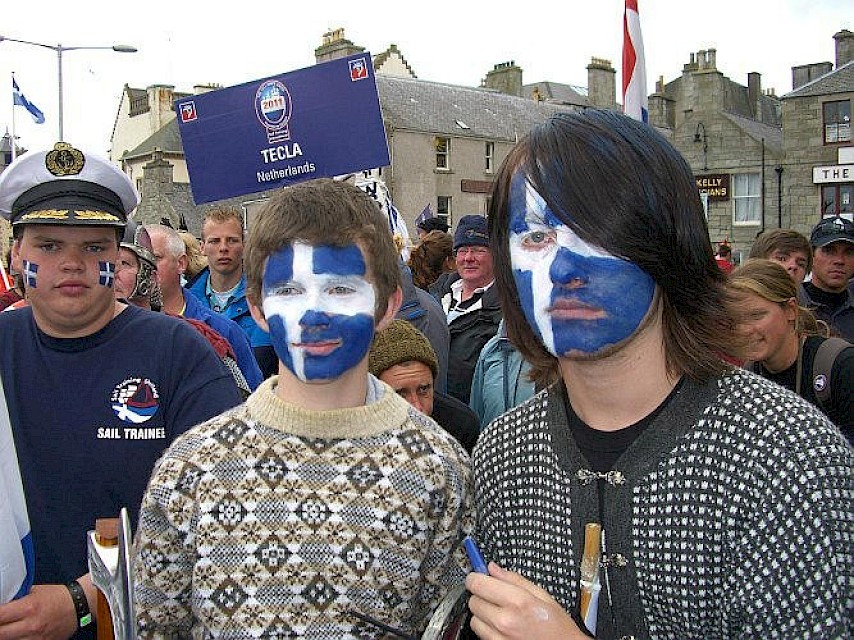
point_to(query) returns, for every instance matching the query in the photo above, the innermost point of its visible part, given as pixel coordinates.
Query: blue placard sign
(320, 121)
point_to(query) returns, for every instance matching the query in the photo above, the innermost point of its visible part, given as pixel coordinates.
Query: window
(489, 157)
(837, 121)
(443, 149)
(443, 209)
(747, 198)
(837, 199)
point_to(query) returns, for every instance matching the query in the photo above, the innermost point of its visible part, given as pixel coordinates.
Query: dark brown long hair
(619, 185)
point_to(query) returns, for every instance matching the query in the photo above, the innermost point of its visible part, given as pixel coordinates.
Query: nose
(416, 402)
(568, 270)
(73, 260)
(313, 319)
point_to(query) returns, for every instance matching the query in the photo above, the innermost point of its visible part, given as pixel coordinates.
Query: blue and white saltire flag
(17, 560)
(19, 98)
(426, 213)
(375, 187)
(635, 100)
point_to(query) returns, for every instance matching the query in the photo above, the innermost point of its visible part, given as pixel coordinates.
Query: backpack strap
(822, 367)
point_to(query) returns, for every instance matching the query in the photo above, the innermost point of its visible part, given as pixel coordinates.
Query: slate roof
(557, 92)
(167, 139)
(772, 134)
(438, 108)
(839, 80)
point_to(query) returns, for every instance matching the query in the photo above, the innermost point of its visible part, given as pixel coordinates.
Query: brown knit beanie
(398, 343)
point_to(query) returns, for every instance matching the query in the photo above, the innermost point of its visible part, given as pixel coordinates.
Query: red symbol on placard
(188, 111)
(358, 69)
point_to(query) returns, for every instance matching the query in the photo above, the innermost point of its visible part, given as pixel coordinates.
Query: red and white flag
(635, 102)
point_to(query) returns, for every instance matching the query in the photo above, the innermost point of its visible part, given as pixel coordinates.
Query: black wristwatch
(81, 605)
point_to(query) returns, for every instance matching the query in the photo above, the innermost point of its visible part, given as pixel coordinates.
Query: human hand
(506, 605)
(47, 613)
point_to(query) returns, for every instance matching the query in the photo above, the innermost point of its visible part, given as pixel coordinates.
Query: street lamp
(702, 138)
(121, 48)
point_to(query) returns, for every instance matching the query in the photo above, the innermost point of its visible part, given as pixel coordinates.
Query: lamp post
(702, 138)
(60, 49)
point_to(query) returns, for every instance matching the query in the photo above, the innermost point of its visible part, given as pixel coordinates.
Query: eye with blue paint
(578, 298)
(319, 307)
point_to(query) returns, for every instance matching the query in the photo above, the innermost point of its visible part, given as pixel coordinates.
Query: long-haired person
(725, 503)
(784, 338)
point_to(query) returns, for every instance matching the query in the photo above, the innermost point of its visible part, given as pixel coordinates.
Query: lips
(319, 348)
(71, 287)
(574, 309)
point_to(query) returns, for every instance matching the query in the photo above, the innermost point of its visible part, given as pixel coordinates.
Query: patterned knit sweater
(731, 516)
(270, 521)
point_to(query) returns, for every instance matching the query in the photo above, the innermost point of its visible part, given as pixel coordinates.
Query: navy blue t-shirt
(92, 415)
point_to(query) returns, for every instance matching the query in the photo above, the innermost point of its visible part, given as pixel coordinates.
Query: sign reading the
(320, 121)
(714, 185)
(833, 173)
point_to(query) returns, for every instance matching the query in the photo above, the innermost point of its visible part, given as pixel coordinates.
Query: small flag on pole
(425, 213)
(20, 99)
(635, 101)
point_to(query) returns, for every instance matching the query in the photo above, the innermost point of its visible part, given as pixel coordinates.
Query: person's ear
(183, 261)
(394, 302)
(791, 309)
(258, 317)
(15, 256)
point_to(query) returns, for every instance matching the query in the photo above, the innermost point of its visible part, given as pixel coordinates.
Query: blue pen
(478, 564)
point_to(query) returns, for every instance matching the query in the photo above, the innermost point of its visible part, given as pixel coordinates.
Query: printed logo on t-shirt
(135, 400)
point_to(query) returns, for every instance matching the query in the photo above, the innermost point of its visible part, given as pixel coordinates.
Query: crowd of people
(305, 427)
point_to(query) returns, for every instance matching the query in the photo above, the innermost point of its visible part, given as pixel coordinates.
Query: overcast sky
(185, 43)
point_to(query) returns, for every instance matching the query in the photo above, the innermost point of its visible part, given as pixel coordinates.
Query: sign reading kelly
(320, 121)
(715, 185)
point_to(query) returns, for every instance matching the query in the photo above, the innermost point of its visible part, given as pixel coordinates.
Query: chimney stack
(844, 47)
(505, 77)
(754, 94)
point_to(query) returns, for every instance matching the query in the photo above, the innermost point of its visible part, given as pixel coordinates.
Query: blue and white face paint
(578, 298)
(320, 309)
(31, 274)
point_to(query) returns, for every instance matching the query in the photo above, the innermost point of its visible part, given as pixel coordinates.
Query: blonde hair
(768, 279)
(196, 260)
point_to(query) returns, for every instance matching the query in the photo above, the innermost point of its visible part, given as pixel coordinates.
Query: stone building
(731, 135)
(763, 161)
(817, 173)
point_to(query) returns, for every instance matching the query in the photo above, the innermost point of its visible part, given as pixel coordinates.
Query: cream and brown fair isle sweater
(271, 521)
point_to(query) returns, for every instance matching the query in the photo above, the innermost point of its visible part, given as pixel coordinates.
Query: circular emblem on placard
(273, 108)
(64, 160)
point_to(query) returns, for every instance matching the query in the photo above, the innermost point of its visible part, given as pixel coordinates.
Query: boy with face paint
(608, 281)
(334, 497)
(94, 389)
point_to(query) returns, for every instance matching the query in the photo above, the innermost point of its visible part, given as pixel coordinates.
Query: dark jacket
(469, 333)
(457, 419)
(424, 312)
(840, 318)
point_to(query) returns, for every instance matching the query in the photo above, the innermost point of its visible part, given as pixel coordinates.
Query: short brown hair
(323, 212)
(785, 240)
(220, 214)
